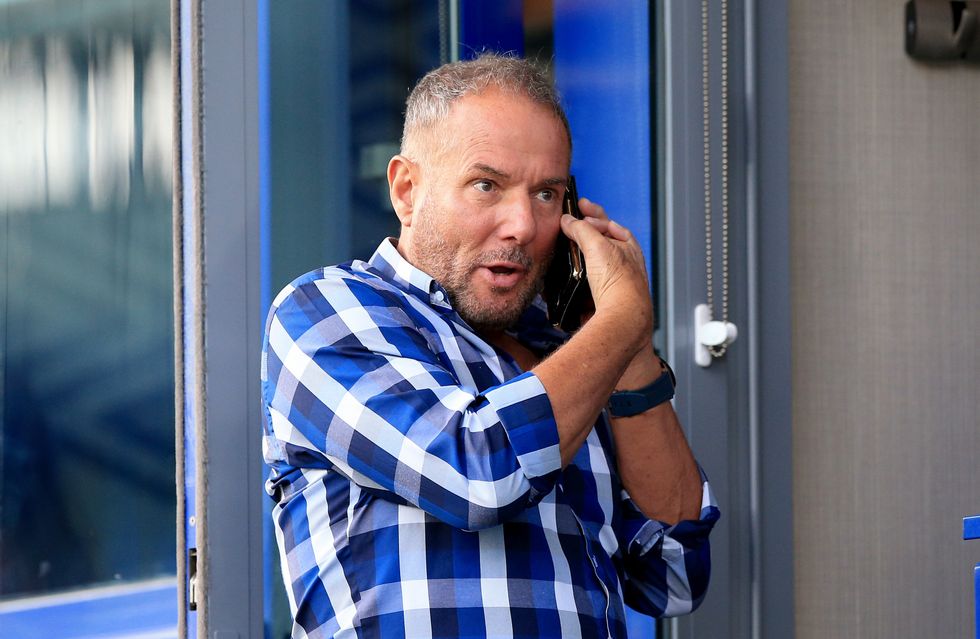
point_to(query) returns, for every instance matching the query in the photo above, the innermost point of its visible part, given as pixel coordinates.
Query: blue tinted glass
(338, 76)
(87, 491)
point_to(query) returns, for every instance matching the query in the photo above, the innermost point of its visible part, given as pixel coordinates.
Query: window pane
(338, 77)
(87, 491)
(339, 74)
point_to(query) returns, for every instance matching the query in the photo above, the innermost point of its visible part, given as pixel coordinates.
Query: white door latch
(710, 333)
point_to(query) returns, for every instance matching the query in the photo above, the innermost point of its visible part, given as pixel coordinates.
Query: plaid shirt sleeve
(666, 568)
(357, 385)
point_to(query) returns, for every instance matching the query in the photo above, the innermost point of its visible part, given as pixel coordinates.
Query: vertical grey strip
(200, 310)
(670, 178)
(228, 322)
(454, 30)
(773, 323)
(752, 270)
(712, 403)
(736, 413)
(443, 31)
(178, 293)
(670, 204)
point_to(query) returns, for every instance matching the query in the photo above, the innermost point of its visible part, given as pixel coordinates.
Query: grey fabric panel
(885, 224)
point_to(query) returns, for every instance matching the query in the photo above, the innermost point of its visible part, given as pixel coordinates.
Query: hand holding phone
(566, 288)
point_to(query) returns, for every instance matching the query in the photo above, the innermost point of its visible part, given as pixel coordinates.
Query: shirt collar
(396, 269)
(533, 328)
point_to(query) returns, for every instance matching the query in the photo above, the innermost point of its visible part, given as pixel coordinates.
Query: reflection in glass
(86, 320)
(339, 74)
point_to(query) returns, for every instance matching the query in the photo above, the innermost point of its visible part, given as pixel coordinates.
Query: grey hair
(432, 98)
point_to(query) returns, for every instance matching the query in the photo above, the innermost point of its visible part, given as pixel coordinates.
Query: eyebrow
(486, 168)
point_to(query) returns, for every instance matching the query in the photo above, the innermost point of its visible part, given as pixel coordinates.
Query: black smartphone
(566, 287)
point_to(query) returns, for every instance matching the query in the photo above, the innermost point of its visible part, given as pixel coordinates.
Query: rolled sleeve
(667, 568)
(524, 410)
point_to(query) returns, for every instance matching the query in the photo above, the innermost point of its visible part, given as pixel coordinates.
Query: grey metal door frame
(217, 236)
(737, 411)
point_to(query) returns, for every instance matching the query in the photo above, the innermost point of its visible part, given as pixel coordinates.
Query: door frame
(737, 412)
(217, 282)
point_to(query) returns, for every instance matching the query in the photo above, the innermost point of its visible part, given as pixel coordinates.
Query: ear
(403, 178)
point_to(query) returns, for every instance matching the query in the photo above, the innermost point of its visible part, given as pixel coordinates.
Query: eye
(547, 195)
(484, 186)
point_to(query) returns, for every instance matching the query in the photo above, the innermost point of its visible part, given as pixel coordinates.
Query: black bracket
(938, 30)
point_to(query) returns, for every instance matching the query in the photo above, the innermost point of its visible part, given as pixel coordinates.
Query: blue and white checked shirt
(418, 483)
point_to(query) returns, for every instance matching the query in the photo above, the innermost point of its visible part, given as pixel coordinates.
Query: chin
(494, 309)
(493, 318)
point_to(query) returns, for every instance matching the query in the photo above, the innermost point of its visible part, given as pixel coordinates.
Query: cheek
(475, 231)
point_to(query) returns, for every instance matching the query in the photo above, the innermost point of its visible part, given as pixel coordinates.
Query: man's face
(491, 205)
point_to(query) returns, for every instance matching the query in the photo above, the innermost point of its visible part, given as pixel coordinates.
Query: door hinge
(192, 594)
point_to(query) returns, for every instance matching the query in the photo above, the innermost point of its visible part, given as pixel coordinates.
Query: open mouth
(502, 270)
(503, 275)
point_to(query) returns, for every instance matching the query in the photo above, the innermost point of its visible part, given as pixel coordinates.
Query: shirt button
(438, 296)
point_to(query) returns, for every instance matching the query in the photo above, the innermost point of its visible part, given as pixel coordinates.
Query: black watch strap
(634, 402)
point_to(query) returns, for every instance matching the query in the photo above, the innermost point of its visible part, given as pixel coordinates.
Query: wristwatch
(634, 402)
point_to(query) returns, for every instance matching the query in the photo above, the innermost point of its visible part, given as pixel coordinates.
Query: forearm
(655, 462)
(580, 376)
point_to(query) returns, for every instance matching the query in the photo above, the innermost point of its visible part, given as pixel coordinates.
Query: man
(442, 459)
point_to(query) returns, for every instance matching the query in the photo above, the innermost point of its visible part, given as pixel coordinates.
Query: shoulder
(347, 310)
(342, 286)
(353, 291)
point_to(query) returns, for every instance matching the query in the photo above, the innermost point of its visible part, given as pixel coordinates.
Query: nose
(517, 220)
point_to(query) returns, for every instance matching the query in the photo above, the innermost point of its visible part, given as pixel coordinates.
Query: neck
(524, 357)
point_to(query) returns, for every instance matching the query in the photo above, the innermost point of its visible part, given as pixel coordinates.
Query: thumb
(579, 231)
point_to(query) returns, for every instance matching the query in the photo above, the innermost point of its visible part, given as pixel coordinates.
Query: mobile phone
(566, 287)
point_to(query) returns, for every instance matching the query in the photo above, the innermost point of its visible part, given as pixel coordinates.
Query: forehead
(498, 121)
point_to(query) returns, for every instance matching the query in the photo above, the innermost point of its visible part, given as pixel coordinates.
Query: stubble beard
(434, 255)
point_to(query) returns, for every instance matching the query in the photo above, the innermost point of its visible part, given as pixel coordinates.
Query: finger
(591, 209)
(610, 228)
(618, 231)
(581, 232)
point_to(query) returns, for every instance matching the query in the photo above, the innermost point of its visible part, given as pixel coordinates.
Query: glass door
(333, 83)
(87, 501)
(335, 76)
